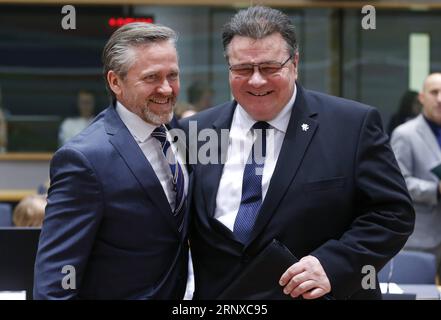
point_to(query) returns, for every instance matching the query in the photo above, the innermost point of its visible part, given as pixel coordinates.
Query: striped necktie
(251, 200)
(178, 181)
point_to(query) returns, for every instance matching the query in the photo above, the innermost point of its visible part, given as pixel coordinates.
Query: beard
(155, 118)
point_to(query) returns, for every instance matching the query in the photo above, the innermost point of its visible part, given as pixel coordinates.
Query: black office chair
(410, 267)
(5, 215)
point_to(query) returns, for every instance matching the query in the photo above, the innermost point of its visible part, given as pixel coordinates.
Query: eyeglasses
(265, 68)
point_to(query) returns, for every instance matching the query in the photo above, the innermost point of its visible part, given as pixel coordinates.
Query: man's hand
(306, 278)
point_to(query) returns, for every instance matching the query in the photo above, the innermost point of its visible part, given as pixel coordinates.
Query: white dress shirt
(240, 143)
(151, 148)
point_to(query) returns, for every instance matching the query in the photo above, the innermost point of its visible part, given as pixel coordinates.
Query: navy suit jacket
(109, 218)
(336, 193)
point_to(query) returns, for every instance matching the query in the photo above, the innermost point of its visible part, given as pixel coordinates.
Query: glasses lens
(268, 69)
(242, 69)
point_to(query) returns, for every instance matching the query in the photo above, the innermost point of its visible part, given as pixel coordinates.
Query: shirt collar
(280, 122)
(138, 128)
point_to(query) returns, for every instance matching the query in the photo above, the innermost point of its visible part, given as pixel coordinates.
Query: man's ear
(421, 98)
(295, 62)
(114, 82)
(296, 59)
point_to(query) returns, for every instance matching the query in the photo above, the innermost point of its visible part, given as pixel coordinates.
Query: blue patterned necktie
(252, 185)
(178, 176)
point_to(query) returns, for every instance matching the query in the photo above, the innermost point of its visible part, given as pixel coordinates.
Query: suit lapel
(301, 129)
(128, 149)
(211, 173)
(428, 137)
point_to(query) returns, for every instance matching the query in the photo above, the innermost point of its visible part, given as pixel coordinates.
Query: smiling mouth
(161, 101)
(260, 94)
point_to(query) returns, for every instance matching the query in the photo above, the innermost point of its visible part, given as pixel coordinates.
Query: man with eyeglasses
(312, 171)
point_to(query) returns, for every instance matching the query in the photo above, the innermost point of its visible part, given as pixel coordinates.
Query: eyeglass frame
(254, 65)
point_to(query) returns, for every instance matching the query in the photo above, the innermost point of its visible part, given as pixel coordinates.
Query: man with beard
(115, 226)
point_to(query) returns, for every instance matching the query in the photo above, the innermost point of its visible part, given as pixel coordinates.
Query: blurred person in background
(417, 147)
(184, 110)
(29, 212)
(200, 95)
(408, 109)
(71, 126)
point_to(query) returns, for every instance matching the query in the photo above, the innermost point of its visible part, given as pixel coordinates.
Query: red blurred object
(116, 22)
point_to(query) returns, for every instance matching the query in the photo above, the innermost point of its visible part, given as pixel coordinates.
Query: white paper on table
(12, 295)
(393, 288)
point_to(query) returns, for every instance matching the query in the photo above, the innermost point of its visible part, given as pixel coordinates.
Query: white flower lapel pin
(305, 127)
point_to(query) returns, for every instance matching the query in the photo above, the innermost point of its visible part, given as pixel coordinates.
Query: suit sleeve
(73, 215)
(383, 216)
(421, 191)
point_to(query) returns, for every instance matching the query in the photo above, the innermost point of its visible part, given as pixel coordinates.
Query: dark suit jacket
(336, 193)
(109, 218)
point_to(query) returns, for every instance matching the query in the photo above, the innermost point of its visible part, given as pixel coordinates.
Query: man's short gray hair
(258, 22)
(118, 51)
